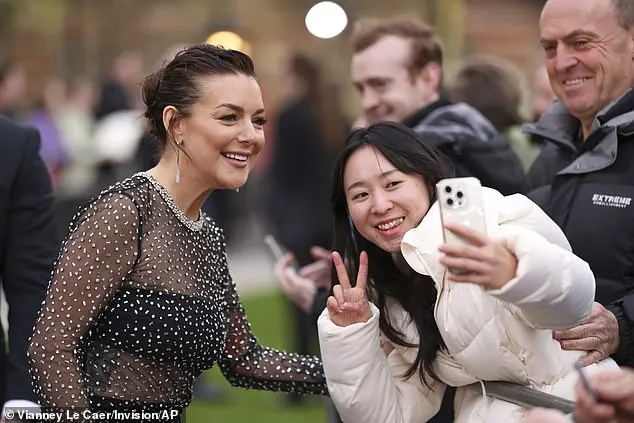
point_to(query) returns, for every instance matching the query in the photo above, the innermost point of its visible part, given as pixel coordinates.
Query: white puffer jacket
(503, 334)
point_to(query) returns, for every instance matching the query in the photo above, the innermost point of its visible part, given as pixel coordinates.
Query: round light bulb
(229, 40)
(326, 20)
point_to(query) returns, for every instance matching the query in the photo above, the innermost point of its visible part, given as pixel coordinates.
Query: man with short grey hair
(584, 175)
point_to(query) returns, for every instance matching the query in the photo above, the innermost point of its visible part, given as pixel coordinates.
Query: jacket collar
(597, 158)
(421, 114)
(557, 125)
(618, 112)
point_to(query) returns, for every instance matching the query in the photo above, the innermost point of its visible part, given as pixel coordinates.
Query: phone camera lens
(447, 189)
(459, 194)
(450, 201)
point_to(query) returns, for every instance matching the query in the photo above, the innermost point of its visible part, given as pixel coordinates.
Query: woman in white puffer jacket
(441, 329)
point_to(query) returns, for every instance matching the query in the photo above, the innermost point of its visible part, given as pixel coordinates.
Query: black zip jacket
(588, 189)
(472, 144)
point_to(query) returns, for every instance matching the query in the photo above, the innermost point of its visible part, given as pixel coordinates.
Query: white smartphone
(460, 201)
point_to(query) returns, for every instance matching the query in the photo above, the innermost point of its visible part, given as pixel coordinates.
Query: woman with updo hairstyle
(141, 301)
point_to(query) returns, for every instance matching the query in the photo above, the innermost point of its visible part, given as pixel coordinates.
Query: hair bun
(153, 110)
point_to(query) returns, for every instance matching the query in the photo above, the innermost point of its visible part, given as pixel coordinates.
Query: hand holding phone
(486, 262)
(277, 250)
(300, 290)
(460, 201)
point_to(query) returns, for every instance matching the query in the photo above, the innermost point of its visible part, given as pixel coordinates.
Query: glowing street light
(229, 40)
(326, 20)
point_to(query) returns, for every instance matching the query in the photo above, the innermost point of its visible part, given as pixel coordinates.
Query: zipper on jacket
(444, 286)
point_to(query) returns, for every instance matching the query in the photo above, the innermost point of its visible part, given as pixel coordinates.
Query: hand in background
(614, 390)
(319, 270)
(349, 305)
(598, 335)
(298, 289)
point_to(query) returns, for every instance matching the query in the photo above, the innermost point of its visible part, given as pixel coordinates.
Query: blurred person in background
(12, 89)
(153, 304)
(76, 123)
(120, 89)
(493, 87)
(583, 176)
(43, 118)
(29, 244)
(542, 97)
(309, 133)
(397, 68)
(119, 103)
(542, 93)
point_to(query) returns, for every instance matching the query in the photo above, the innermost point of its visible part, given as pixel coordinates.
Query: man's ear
(170, 118)
(431, 75)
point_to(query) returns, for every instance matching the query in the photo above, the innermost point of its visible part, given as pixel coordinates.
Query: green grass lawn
(269, 316)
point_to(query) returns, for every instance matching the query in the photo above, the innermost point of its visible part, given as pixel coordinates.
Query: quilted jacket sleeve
(365, 385)
(553, 288)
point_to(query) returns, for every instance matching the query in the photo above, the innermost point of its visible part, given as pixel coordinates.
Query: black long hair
(416, 293)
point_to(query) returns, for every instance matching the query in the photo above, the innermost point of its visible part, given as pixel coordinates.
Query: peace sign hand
(349, 305)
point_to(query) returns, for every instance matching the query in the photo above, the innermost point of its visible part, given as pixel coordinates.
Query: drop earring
(178, 166)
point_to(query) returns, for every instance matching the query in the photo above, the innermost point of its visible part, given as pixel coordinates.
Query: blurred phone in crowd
(277, 250)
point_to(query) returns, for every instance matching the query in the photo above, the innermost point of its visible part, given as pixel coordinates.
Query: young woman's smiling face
(383, 202)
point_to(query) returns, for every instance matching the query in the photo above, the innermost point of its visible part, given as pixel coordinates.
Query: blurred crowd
(88, 127)
(93, 134)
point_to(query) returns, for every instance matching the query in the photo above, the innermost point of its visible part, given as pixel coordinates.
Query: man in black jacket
(584, 176)
(397, 69)
(28, 249)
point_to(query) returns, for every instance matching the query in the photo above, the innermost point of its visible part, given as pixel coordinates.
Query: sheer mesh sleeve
(99, 252)
(250, 365)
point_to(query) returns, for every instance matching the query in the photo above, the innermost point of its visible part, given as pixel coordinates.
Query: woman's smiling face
(224, 132)
(384, 203)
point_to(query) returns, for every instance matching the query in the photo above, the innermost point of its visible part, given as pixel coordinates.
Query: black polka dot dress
(140, 303)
